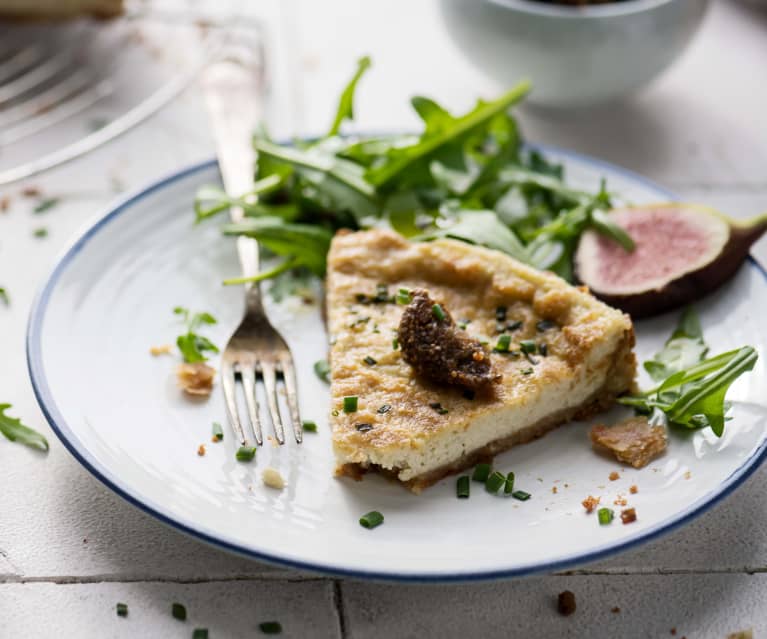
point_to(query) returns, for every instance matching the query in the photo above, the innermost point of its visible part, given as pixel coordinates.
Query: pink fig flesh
(682, 253)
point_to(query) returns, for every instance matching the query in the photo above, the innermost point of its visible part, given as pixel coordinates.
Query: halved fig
(682, 252)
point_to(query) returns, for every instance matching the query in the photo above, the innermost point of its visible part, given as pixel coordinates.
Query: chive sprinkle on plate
(309, 426)
(245, 453)
(462, 487)
(371, 519)
(178, 611)
(122, 610)
(218, 432)
(521, 495)
(481, 472)
(605, 516)
(494, 482)
(508, 488)
(200, 633)
(270, 627)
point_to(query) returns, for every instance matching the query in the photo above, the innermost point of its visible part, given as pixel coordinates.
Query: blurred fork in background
(66, 88)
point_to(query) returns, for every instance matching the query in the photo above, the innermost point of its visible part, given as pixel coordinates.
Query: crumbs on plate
(196, 378)
(165, 349)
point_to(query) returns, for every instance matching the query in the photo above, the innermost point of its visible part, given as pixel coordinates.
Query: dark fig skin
(695, 284)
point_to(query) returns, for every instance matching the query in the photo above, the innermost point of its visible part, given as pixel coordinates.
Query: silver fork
(232, 85)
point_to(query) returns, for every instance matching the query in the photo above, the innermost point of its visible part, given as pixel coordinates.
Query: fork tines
(270, 369)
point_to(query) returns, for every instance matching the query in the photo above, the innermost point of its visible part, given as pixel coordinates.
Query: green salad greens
(467, 177)
(691, 387)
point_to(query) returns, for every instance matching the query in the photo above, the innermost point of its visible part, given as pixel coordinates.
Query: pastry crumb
(620, 500)
(590, 503)
(673, 631)
(629, 515)
(165, 349)
(742, 634)
(615, 610)
(566, 603)
(687, 475)
(633, 441)
(31, 191)
(272, 478)
(614, 476)
(201, 450)
(196, 379)
(634, 489)
(5, 203)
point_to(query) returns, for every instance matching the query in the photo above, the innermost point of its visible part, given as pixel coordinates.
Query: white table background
(70, 549)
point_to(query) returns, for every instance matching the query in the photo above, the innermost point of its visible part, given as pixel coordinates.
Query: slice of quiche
(444, 354)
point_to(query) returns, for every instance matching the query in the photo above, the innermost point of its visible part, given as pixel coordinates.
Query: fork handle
(233, 87)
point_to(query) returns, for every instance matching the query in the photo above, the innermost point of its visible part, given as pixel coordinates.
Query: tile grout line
(337, 583)
(338, 606)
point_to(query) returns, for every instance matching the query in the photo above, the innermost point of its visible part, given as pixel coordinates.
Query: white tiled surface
(70, 549)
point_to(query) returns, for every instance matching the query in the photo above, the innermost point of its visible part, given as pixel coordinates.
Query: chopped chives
(395, 344)
(309, 426)
(200, 633)
(270, 627)
(481, 472)
(462, 487)
(494, 482)
(514, 326)
(439, 408)
(45, 204)
(504, 341)
(245, 453)
(363, 427)
(41, 232)
(527, 346)
(350, 404)
(178, 611)
(403, 297)
(371, 519)
(322, 370)
(544, 325)
(527, 371)
(218, 432)
(462, 324)
(438, 312)
(543, 349)
(122, 610)
(521, 495)
(500, 313)
(508, 488)
(605, 516)
(370, 361)
(384, 409)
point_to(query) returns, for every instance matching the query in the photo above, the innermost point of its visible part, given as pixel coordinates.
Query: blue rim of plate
(81, 453)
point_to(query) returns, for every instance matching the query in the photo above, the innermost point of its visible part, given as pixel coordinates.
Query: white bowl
(573, 55)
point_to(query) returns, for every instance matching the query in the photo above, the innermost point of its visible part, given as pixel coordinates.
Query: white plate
(118, 410)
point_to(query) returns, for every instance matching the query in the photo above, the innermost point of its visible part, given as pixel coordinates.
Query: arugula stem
(265, 275)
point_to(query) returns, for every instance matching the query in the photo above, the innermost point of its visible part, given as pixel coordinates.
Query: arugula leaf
(15, 431)
(211, 200)
(401, 160)
(345, 109)
(303, 244)
(341, 181)
(482, 227)
(191, 344)
(683, 349)
(694, 397)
